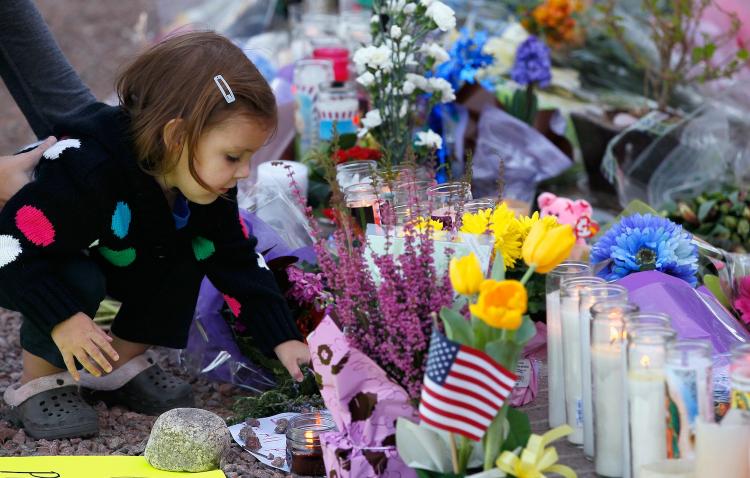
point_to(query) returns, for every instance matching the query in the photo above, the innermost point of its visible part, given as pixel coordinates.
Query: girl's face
(222, 158)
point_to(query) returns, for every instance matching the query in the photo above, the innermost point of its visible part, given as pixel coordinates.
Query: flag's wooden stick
(454, 454)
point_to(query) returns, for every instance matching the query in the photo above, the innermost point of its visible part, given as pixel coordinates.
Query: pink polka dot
(245, 231)
(234, 305)
(35, 226)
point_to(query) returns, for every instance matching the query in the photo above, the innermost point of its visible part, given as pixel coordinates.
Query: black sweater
(90, 193)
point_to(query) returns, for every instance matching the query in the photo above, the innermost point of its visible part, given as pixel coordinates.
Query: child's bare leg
(126, 350)
(35, 367)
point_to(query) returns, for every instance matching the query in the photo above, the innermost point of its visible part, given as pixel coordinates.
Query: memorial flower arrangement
(394, 69)
(487, 320)
(532, 68)
(642, 242)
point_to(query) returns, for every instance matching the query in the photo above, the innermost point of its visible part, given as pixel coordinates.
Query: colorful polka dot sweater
(90, 195)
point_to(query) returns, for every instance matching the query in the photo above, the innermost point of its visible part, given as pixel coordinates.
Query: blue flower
(466, 59)
(646, 242)
(532, 63)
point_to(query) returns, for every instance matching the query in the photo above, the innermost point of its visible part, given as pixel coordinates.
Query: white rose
(408, 87)
(409, 8)
(419, 81)
(443, 15)
(435, 51)
(395, 32)
(372, 119)
(366, 79)
(429, 139)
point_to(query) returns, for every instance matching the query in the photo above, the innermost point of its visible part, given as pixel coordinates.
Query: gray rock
(187, 439)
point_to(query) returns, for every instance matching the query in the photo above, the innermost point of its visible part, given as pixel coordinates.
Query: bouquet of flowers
(487, 322)
(389, 69)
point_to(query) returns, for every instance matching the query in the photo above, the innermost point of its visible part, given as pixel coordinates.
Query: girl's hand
(80, 338)
(292, 354)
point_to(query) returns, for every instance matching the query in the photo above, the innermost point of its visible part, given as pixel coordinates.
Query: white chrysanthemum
(429, 139)
(442, 15)
(366, 79)
(375, 19)
(410, 8)
(395, 32)
(435, 51)
(408, 87)
(404, 109)
(54, 151)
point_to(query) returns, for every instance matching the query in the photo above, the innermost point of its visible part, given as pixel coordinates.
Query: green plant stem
(529, 272)
(530, 104)
(464, 454)
(493, 439)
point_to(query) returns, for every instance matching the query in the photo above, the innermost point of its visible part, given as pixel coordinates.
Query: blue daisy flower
(646, 242)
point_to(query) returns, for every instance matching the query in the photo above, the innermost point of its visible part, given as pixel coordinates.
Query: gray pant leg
(34, 69)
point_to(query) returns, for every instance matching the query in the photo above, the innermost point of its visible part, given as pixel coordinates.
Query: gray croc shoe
(140, 385)
(51, 408)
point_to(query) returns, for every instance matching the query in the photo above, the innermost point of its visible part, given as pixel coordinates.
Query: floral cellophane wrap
(364, 403)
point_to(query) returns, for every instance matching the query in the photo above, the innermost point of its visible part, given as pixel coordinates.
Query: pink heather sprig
(307, 288)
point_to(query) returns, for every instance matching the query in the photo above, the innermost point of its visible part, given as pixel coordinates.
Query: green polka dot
(203, 248)
(121, 258)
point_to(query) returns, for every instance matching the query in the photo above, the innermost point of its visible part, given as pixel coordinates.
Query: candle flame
(309, 436)
(645, 361)
(614, 334)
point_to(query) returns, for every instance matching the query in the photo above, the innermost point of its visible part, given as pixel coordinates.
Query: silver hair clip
(222, 83)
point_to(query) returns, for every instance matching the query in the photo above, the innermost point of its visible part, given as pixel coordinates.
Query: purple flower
(532, 64)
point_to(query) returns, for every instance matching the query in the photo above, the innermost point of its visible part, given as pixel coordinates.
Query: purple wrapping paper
(695, 313)
(364, 403)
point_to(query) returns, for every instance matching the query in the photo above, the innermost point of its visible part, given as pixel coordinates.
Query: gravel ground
(121, 432)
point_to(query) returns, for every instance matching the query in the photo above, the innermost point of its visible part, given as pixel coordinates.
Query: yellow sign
(89, 467)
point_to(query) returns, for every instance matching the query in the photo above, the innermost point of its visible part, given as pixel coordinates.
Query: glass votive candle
(339, 56)
(555, 366)
(412, 192)
(444, 201)
(362, 201)
(647, 319)
(689, 392)
(336, 104)
(308, 75)
(476, 205)
(590, 296)
(355, 172)
(303, 451)
(570, 318)
(608, 367)
(739, 377)
(647, 350)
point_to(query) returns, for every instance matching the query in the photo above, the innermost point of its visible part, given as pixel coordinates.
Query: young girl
(139, 202)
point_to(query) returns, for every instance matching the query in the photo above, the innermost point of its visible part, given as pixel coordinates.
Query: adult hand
(80, 338)
(16, 170)
(292, 354)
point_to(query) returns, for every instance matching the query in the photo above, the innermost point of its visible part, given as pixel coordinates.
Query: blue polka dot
(121, 220)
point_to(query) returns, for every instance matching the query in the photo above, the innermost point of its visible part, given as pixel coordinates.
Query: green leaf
(505, 352)
(526, 332)
(498, 267)
(705, 208)
(743, 54)
(457, 327)
(709, 50)
(520, 430)
(713, 284)
(697, 54)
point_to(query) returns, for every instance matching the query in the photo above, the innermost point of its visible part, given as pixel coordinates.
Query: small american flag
(463, 388)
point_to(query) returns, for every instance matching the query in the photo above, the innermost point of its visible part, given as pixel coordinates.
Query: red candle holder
(339, 56)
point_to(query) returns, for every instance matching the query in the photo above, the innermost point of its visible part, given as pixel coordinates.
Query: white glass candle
(647, 396)
(739, 374)
(669, 469)
(608, 384)
(689, 390)
(570, 317)
(721, 450)
(632, 322)
(556, 381)
(594, 294)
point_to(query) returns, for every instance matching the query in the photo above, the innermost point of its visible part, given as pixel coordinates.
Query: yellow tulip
(466, 274)
(501, 304)
(545, 247)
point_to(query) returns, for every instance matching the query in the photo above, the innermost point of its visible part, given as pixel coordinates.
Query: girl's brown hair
(175, 80)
